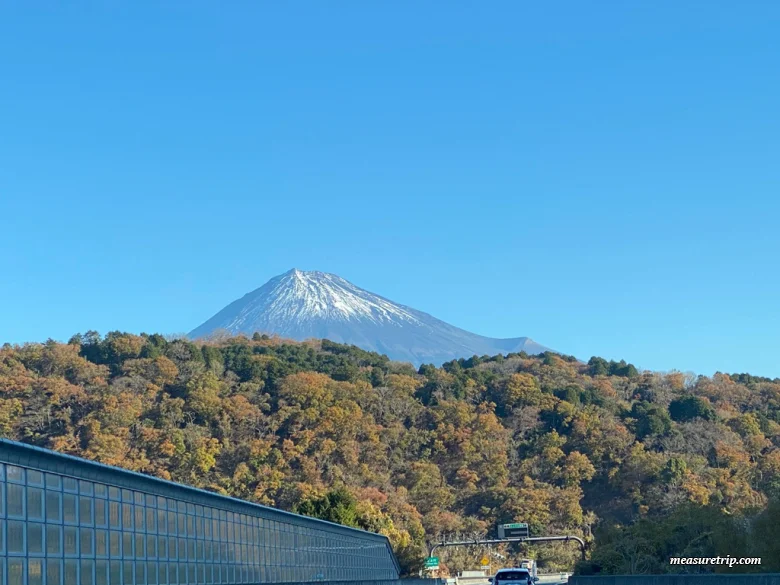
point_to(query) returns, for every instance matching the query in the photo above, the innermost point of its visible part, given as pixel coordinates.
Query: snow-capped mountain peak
(311, 304)
(319, 295)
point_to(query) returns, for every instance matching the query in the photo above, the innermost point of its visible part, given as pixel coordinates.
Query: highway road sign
(432, 563)
(515, 530)
(485, 561)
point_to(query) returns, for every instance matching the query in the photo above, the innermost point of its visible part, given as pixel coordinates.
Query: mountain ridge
(313, 304)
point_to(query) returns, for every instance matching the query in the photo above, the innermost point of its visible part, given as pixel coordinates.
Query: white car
(512, 577)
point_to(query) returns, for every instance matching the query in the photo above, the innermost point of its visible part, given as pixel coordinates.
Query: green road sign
(516, 530)
(432, 563)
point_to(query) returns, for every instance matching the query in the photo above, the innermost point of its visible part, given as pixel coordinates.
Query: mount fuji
(303, 305)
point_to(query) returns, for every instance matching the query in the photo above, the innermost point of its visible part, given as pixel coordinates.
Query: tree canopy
(623, 458)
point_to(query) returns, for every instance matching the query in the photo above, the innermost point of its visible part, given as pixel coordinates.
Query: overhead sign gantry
(508, 533)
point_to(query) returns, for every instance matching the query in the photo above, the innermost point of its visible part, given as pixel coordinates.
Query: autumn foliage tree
(595, 449)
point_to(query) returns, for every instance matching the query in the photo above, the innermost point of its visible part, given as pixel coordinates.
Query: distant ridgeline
(640, 464)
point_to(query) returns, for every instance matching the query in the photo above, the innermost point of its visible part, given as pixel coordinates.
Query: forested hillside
(643, 465)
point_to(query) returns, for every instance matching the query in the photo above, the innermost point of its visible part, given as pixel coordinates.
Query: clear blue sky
(604, 178)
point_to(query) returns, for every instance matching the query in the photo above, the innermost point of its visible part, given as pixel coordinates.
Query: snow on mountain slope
(302, 305)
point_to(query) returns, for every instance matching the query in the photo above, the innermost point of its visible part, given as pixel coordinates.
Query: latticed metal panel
(69, 521)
